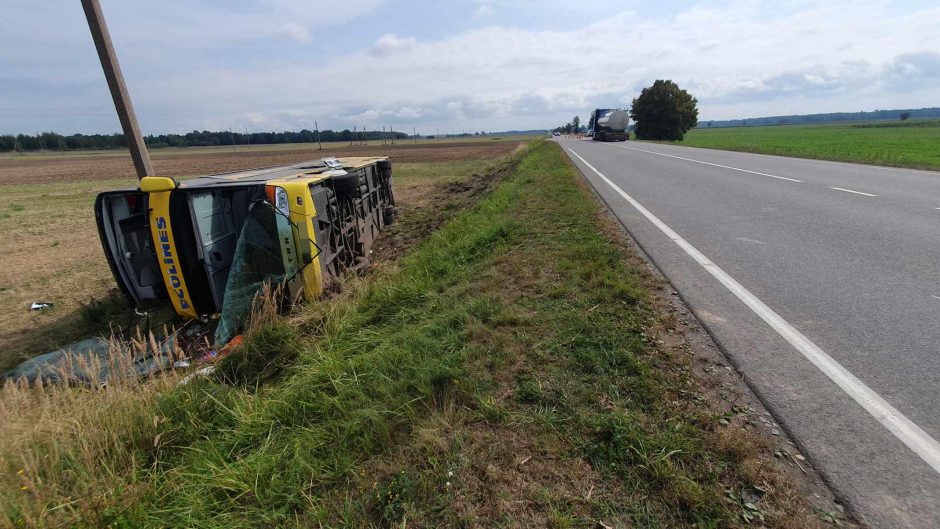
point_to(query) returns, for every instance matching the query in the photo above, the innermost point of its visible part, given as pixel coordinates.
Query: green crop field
(914, 144)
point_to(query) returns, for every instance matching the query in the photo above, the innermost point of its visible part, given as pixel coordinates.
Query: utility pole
(353, 137)
(248, 136)
(414, 133)
(122, 100)
(317, 126)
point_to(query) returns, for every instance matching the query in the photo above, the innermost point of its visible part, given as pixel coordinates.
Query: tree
(904, 115)
(576, 124)
(664, 112)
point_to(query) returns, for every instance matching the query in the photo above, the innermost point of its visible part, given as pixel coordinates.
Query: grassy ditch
(507, 372)
(900, 143)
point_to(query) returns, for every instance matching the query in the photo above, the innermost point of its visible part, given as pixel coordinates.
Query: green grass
(503, 374)
(911, 144)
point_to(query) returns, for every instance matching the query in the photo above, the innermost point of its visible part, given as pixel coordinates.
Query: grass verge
(507, 372)
(901, 144)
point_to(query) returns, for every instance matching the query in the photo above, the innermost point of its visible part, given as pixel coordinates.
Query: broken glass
(265, 254)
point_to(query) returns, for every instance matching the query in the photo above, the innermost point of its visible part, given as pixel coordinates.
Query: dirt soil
(56, 168)
(424, 209)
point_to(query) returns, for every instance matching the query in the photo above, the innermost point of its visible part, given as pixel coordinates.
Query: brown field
(50, 251)
(71, 167)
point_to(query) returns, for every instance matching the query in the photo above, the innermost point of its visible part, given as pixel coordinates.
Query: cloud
(294, 32)
(388, 44)
(486, 9)
(738, 58)
(919, 67)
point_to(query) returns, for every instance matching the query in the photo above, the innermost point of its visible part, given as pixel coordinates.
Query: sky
(457, 65)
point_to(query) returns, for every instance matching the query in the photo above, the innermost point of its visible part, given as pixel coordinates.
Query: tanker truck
(609, 124)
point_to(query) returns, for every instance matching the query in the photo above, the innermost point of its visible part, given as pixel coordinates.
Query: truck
(609, 124)
(208, 245)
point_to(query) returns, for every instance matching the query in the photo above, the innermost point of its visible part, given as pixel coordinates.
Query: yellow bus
(208, 244)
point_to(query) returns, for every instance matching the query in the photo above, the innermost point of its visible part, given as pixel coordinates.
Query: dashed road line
(712, 164)
(893, 420)
(851, 191)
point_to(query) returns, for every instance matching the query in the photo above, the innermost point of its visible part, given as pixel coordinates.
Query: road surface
(821, 282)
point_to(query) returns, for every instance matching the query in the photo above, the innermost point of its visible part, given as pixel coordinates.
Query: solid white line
(850, 191)
(909, 433)
(709, 163)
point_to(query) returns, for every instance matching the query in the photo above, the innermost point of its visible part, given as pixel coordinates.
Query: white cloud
(486, 9)
(292, 31)
(388, 44)
(739, 58)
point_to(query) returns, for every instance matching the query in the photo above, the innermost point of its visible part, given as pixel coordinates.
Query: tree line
(572, 127)
(831, 117)
(54, 141)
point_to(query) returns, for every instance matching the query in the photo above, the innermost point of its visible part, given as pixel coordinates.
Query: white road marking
(903, 428)
(850, 191)
(935, 297)
(712, 164)
(936, 208)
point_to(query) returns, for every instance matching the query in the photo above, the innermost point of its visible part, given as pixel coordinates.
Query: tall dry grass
(74, 455)
(79, 454)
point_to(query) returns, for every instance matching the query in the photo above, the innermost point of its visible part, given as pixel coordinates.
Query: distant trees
(664, 111)
(904, 115)
(833, 117)
(573, 127)
(53, 141)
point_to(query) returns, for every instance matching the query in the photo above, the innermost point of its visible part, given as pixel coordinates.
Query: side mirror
(157, 184)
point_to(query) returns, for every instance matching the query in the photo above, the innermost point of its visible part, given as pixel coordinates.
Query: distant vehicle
(590, 133)
(610, 124)
(556, 134)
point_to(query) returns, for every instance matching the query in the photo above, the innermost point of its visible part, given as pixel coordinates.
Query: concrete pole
(122, 100)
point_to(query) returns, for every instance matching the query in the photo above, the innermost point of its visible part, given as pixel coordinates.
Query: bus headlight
(278, 197)
(281, 202)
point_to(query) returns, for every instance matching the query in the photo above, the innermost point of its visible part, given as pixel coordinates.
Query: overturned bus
(210, 243)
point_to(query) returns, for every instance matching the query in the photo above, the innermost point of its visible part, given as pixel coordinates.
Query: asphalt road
(821, 282)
